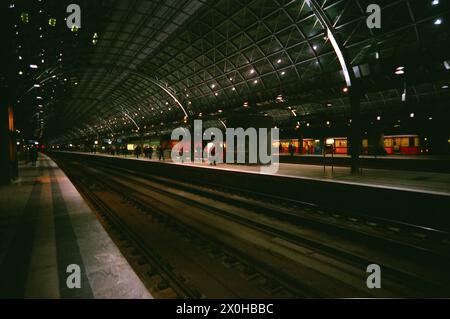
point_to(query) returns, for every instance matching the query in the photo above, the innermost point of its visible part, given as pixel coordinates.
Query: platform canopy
(153, 65)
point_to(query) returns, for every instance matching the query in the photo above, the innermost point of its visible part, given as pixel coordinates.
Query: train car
(283, 145)
(393, 144)
(340, 145)
(312, 146)
(402, 144)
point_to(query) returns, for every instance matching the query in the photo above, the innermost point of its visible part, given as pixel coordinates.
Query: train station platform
(426, 182)
(45, 227)
(419, 163)
(405, 180)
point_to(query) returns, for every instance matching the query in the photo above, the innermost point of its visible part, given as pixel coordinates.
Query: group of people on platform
(148, 152)
(138, 151)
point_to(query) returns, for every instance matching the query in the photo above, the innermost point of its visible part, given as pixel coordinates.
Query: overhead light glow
(33, 66)
(438, 21)
(435, 2)
(24, 17)
(400, 70)
(95, 39)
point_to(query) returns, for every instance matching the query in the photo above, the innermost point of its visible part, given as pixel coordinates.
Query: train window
(365, 142)
(404, 142)
(341, 143)
(388, 142)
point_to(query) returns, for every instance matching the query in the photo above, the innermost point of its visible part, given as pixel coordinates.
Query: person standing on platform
(150, 152)
(34, 155)
(161, 152)
(137, 151)
(211, 152)
(291, 149)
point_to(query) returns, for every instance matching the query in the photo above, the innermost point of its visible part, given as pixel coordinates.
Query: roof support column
(355, 127)
(8, 146)
(354, 90)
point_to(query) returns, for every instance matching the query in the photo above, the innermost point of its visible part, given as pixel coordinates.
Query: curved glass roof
(151, 65)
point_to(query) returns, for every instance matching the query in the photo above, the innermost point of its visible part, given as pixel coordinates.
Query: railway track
(284, 248)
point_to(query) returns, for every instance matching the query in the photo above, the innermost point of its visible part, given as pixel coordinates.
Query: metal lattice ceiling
(157, 61)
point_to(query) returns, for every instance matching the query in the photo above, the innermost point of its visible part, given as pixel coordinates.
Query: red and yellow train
(393, 145)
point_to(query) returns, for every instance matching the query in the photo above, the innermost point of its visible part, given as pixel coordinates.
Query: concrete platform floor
(428, 182)
(45, 226)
